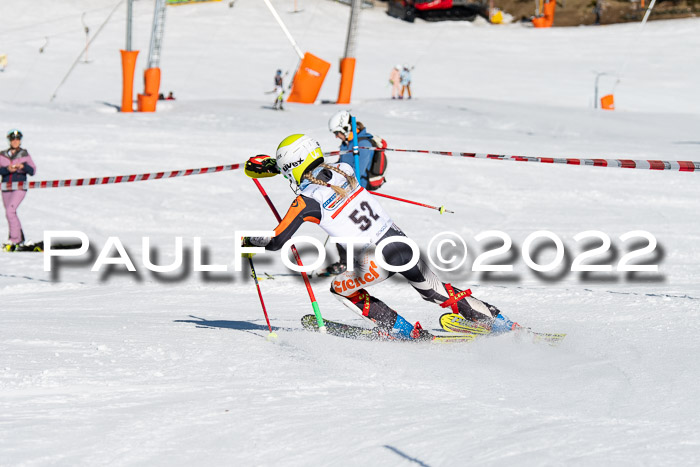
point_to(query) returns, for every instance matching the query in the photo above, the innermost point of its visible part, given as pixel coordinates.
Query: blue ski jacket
(366, 156)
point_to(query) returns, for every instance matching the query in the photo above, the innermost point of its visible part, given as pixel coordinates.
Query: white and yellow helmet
(295, 155)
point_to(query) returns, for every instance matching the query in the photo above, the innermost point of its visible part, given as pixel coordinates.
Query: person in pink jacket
(395, 80)
(15, 165)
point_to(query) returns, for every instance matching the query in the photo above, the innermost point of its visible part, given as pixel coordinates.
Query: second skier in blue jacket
(340, 126)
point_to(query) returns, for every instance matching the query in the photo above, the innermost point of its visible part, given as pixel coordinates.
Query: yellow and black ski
(456, 323)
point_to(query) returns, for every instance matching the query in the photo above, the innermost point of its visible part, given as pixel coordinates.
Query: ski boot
(9, 246)
(471, 308)
(501, 324)
(406, 331)
(420, 334)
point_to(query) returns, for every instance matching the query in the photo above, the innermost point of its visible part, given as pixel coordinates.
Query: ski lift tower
(128, 64)
(147, 101)
(347, 63)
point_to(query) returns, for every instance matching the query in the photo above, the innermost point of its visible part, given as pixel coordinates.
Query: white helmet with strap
(340, 122)
(297, 154)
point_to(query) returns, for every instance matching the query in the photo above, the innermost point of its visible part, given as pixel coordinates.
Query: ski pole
(441, 209)
(355, 148)
(314, 303)
(272, 335)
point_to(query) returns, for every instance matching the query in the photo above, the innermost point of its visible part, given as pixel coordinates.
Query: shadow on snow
(225, 324)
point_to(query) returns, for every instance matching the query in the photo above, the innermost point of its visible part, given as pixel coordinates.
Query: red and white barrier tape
(682, 166)
(115, 179)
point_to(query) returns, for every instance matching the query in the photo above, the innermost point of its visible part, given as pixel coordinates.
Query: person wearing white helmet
(15, 165)
(329, 195)
(340, 125)
(395, 80)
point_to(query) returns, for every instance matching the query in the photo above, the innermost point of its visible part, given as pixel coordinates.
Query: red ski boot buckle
(415, 334)
(357, 297)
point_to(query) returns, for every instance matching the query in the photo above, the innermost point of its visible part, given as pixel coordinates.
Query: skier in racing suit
(329, 195)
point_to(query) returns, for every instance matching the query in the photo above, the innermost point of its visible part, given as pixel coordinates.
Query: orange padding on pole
(608, 102)
(549, 8)
(547, 20)
(347, 73)
(147, 101)
(308, 79)
(128, 67)
(540, 22)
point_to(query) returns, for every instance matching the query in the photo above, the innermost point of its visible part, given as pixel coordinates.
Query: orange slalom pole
(314, 303)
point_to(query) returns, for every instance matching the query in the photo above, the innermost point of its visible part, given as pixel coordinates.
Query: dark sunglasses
(14, 137)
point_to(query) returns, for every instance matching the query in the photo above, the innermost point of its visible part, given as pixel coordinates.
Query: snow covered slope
(173, 369)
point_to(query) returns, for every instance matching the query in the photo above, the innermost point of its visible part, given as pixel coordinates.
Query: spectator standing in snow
(405, 81)
(279, 90)
(598, 11)
(395, 80)
(15, 165)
